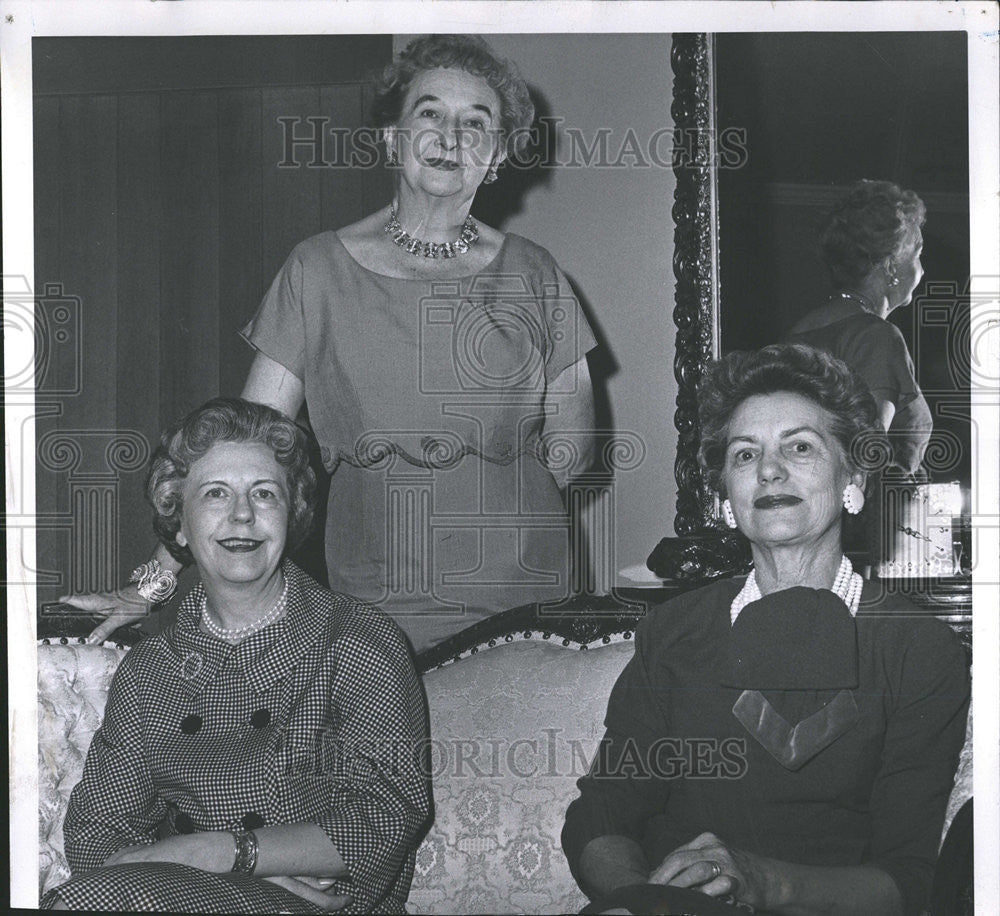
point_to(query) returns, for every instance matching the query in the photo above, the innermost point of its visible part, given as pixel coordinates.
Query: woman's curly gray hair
(228, 420)
(876, 221)
(798, 369)
(458, 52)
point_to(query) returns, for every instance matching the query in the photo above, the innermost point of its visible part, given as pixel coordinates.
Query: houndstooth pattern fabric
(169, 887)
(314, 719)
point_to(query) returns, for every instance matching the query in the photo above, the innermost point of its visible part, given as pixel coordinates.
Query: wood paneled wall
(163, 209)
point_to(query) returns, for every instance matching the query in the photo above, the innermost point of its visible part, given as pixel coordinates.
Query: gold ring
(716, 870)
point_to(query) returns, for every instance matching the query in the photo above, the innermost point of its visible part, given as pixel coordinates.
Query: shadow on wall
(498, 203)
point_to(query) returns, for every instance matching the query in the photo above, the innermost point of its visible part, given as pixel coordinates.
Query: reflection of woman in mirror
(786, 742)
(871, 244)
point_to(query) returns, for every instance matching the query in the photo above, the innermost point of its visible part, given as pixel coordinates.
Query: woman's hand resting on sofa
(118, 608)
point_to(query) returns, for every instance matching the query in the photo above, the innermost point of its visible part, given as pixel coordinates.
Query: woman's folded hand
(706, 863)
(315, 890)
(119, 608)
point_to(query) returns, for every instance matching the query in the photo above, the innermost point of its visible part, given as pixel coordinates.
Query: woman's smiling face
(448, 131)
(785, 471)
(234, 516)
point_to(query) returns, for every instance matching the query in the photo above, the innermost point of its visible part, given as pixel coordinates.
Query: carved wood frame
(695, 263)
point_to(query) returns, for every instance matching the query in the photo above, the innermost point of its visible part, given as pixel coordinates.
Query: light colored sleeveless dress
(426, 398)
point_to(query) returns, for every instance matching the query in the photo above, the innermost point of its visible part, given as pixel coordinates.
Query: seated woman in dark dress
(871, 244)
(259, 755)
(787, 741)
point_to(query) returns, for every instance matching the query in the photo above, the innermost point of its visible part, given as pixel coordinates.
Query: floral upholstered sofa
(516, 711)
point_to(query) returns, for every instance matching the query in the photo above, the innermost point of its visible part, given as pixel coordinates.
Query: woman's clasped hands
(317, 891)
(212, 851)
(708, 865)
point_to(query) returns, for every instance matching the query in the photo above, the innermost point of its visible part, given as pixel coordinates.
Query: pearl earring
(727, 513)
(854, 499)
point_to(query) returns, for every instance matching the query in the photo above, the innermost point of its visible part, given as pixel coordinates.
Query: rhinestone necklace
(846, 586)
(249, 629)
(467, 238)
(854, 297)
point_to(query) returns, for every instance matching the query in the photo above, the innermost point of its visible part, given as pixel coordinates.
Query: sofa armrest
(952, 891)
(73, 683)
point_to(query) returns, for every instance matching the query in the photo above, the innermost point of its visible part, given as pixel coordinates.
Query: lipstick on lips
(240, 545)
(776, 501)
(437, 162)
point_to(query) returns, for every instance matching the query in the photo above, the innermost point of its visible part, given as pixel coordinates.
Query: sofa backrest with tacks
(513, 726)
(512, 729)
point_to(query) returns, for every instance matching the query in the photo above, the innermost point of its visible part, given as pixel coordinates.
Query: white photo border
(20, 22)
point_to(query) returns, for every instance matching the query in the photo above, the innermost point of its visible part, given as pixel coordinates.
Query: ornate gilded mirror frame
(696, 244)
(696, 553)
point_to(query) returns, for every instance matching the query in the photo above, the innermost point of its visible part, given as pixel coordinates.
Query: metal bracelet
(244, 851)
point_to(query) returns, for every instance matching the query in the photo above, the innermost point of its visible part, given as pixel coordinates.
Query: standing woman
(440, 361)
(872, 244)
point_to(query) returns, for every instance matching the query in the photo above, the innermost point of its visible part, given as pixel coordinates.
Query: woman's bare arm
(569, 406)
(886, 411)
(268, 382)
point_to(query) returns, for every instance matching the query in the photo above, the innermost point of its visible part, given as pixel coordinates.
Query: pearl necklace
(229, 634)
(466, 239)
(847, 585)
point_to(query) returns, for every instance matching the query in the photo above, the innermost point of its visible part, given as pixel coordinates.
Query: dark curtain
(167, 195)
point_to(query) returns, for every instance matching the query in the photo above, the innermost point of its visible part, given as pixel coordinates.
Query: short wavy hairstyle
(877, 220)
(798, 369)
(228, 420)
(457, 52)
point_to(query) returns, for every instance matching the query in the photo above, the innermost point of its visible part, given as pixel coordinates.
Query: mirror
(809, 114)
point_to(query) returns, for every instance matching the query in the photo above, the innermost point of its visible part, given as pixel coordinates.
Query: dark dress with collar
(853, 766)
(313, 719)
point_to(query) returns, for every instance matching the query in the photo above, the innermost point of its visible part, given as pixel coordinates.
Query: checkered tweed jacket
(317, 719)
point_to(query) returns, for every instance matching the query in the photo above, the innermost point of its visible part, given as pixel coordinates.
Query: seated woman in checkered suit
(262, 753)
